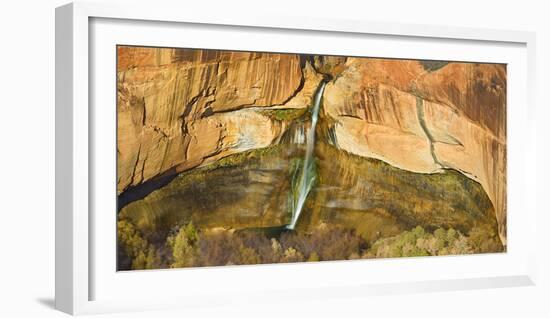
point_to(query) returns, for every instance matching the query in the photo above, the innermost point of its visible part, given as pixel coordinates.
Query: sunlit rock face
(425, 118)
(178, 109)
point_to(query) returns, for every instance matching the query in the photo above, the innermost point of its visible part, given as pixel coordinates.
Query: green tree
(184, 246)
(142, 254)
(418, 242)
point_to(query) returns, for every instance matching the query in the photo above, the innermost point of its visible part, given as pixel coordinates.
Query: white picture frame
(78, 171)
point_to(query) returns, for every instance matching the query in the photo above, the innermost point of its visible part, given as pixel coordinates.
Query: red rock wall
(425, 121)
(179, 108)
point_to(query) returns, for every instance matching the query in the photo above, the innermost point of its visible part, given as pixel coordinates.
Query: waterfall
(306, 174)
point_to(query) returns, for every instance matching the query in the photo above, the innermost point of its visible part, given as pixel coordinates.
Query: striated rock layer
(178, 108)
(425, 120)
(182, 108)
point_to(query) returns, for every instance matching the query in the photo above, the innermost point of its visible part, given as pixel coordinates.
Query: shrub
(292, 255)
(187, 246)
(327, 242)
(217, 248)
(418, 242)
(313, 257)
(184, 246)
(484, 239)
(137, 252)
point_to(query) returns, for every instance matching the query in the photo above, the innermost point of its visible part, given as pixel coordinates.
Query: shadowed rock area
(249, 193)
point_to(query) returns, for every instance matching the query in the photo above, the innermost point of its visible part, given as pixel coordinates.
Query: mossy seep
(285, 114)
(398, 201)
(447, 199)
(229, 192)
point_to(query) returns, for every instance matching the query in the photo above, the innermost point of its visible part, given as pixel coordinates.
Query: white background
(27, 159)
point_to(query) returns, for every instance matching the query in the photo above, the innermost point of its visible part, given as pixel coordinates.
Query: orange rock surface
(181, 108)
(425, 120)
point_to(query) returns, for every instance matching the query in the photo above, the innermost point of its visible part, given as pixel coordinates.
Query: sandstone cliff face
(178, 109)
(425, 121)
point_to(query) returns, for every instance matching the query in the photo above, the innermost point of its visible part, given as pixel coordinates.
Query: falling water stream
(305, 174)
(302, 182)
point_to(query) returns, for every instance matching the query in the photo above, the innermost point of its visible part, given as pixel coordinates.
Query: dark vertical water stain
(422, 120)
